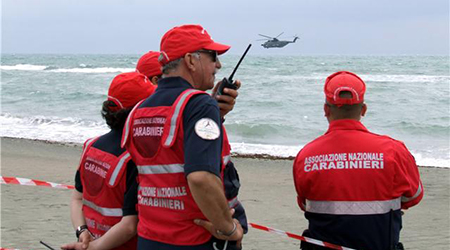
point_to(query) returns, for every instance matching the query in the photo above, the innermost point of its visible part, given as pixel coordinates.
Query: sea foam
(93, 70)
(58, 98)
(89, 69)
(23, 67)
(370, 78)
(66, 130)
(72, 130)
(83, 69)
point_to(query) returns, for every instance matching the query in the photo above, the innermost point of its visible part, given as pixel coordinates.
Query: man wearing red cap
(350, 182)
(103, 203)
(182, 153)
(150, 66)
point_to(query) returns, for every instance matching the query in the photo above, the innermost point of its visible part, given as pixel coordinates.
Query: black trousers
(309, 246)
(214, 243)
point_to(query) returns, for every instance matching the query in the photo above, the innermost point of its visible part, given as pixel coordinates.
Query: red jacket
(348, 182)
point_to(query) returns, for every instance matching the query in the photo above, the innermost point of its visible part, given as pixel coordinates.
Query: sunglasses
(211, 53)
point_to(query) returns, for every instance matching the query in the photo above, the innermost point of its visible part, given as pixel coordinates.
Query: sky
(325, 27)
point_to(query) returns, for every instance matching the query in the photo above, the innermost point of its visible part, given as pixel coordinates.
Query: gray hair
(173, 65)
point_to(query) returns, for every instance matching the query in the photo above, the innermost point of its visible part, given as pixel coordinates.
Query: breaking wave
(83, 68)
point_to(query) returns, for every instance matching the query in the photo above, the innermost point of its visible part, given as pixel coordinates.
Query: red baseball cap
(344, 81)
(149, 65)
(186, 39)
(127, 89)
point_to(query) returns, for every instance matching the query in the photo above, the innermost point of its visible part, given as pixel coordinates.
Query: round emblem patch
(207, 129)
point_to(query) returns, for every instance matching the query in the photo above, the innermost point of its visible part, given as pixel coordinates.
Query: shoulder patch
(207, 129)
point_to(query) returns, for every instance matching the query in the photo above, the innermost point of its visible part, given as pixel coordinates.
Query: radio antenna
(237, 66)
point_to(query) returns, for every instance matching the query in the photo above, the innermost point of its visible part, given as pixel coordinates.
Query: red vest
(104, 184)
(154, 138)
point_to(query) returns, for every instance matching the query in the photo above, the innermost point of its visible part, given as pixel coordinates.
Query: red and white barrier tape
(1, 248)
(30, 182)
(298, 237)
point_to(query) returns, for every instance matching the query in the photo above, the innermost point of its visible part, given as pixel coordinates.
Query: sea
(58, 98)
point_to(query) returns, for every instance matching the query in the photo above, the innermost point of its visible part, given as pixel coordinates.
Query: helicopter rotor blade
(262, 40)
(266, 36)
(279, 34)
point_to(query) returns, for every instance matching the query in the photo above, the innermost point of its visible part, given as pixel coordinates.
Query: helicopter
(274, 42)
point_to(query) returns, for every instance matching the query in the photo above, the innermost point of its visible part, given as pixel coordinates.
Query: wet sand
(30, 214)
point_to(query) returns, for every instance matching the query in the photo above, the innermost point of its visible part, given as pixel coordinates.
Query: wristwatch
(80, 230)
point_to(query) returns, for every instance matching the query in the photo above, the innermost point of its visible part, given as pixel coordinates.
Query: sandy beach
(30, 214)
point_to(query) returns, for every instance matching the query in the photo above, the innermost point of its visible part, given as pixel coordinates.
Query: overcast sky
(337, 27)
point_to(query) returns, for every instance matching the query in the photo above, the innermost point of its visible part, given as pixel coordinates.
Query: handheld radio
(228, 82)
(49, 247)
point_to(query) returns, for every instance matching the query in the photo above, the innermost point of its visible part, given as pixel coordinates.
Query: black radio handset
(228, 82)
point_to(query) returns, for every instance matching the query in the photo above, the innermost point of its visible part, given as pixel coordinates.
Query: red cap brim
(220, 48)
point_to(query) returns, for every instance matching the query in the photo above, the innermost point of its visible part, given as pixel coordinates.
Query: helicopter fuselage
(277, 44)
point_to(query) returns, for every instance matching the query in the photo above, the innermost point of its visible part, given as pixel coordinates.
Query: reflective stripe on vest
(352, 207)
(161, 169)
(233, 202)
(419, 190)
(226, 159)
(127, 124)
(119, 166)
(87, 145)
(112, 212)
(176, 113)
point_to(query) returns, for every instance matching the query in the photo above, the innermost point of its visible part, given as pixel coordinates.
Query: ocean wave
(87, 70)
(72, 130)
(289, 77)
(369, 78)
(422, 160)
(405, 78)
(83, 68)
(280, 151)
(51, 68)
(76, 130)
(23, 67)
(290, 152)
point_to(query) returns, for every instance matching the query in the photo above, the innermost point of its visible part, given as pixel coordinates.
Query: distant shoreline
(243, 156)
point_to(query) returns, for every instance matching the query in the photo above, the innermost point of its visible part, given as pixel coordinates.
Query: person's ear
(154, 80)
(326, 110)
(363, 109)
(189, 60)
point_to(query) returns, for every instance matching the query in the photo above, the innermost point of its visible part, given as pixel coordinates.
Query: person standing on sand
(182, 153)
(351, 183)
(103, 203)
(119, 233)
